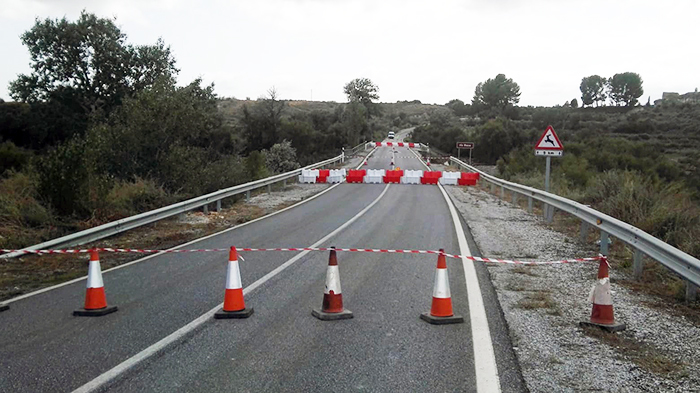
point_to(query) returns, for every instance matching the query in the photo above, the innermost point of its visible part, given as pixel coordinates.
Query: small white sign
(550, 153)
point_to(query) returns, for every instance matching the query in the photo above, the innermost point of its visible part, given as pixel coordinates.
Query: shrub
(13, 157)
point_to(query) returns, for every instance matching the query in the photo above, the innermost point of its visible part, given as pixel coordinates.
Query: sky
(432, 51)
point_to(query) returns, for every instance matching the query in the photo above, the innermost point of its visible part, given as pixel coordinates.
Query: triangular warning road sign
(549, 141)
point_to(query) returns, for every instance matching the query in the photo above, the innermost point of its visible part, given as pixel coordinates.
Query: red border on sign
(561, 146)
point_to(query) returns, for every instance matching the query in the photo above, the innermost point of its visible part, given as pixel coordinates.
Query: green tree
(262, 122)
(281, 157)
(625, 88)
(497, 93)
(592, 90)
(88, 62)
(459, 107)
(362, 90)
(574, 103)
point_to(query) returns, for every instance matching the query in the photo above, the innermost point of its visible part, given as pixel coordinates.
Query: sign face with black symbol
(549, 144)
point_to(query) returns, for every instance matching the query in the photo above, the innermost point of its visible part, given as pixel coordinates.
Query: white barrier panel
(375, 176)
(411, 177)
(308, 176)
(336, 176)
(450, 178)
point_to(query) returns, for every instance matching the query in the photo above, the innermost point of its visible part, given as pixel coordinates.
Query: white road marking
(26, 295)
(485, 366)
(178, 334)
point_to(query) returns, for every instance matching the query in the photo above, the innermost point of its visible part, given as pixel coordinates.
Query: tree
(498, 93)
(592, 90)
(625, 88)
(262, 122)
(458, 107)
(89, 62)
(281, 157)
(574, 103)
(362, 90)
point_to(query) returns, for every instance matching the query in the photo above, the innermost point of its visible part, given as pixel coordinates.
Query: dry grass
(539, 300)
(643, 355)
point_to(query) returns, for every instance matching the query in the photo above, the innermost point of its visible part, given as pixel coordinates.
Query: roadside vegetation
(101, 130)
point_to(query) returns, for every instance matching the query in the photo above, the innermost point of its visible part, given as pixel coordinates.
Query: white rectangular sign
(550, 153)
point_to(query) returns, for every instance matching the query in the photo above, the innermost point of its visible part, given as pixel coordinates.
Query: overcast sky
(432, 51)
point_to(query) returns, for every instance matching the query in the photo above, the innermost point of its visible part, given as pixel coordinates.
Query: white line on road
(485, 366)
(178, 334)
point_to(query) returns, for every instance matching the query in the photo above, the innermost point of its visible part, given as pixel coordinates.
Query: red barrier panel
(393, 176)
(430, 177)
(401, 144)
(355, 175)
(466, 182)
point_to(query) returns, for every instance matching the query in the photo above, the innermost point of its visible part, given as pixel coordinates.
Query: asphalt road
(386, 347)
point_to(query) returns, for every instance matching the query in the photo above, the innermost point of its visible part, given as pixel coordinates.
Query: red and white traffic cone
(332, 308)
(441, 309)
(602, 314)
(234, 305)
(95, 299)
(428, 162)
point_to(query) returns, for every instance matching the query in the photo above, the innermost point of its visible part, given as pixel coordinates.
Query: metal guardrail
(115, 227)
(678, 261)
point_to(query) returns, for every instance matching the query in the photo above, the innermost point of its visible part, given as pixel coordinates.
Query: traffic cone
(234, 305)
(428, 162)
(602, 314)
(441, 309)
(95, 300)
(332, 307)
(366, 162)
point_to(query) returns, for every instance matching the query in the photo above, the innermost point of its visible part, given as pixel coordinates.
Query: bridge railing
(641, 242)
(125, 224)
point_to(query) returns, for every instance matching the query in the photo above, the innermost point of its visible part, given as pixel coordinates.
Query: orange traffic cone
(332, 308)
(95, 300)
(441, 309)
(234, 305)
(602, 314)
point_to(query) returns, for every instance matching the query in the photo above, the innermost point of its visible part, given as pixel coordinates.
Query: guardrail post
(284, 183)
(247, 196)
(269, 188)
(604, 242)
(515, 197)
(218, 205)
(637, 263)
(691, 291)
(529, 204)
(503, 192)
(583, 234)
(493, 188)
(205, 209)
(550, 214)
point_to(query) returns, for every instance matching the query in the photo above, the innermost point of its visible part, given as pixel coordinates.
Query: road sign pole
(459, 153)
(470, 156)
(546, 186)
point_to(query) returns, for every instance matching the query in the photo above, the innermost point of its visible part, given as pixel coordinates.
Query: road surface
(386, 347)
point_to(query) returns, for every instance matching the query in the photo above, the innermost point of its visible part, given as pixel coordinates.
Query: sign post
(549, 146)
(465, 145)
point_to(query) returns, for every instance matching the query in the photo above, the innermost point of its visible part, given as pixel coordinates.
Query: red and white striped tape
(373, 250)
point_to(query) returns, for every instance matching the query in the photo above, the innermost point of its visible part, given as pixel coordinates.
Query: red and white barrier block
(411, 176)
(308, 176)
(374, 176)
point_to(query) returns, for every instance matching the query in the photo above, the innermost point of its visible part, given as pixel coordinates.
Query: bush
(127, 198)
(13, 157)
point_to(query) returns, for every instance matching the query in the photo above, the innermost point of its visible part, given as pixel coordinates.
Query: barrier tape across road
(373, 250)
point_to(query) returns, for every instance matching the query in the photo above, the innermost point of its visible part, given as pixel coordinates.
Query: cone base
(441, 320)
(240, 314)
(98, 312)
(331, 316)
(614, 327)
(4, 307)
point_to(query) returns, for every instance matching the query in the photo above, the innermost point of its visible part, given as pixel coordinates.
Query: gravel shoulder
(543, 305)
